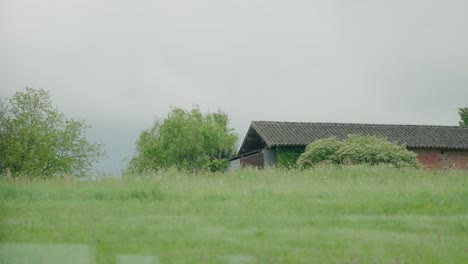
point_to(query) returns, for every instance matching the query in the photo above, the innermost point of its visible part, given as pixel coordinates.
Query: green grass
(352, 215)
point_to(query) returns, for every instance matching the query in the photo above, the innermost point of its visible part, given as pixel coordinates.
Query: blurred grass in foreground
(329, 215)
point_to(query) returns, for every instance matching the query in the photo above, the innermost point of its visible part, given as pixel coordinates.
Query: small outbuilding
(271, 143)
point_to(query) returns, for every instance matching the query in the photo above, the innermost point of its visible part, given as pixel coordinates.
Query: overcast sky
(118, 64)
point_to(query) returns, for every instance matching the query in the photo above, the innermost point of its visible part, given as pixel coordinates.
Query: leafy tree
(186, 140)
(38, 140)
(463, 112)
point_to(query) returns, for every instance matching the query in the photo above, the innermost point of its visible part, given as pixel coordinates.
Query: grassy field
(353, 215)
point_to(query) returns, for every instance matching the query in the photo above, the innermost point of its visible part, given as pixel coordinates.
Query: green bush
(218, 165)
(320, 151)
(357, 150)
(288, 156)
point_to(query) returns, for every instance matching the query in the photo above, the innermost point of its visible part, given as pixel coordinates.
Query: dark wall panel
(255, 160)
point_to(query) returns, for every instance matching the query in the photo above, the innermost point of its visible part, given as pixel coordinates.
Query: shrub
(288, 156)
(320, 151)
(218, 165)
(357, 150)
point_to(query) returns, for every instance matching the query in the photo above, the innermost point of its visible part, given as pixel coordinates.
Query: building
(437, 147)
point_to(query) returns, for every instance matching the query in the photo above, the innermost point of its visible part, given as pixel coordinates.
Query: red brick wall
(436, 159)
(458, 160)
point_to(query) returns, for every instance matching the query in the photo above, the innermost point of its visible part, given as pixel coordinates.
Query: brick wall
(458, 160)
(436, 159)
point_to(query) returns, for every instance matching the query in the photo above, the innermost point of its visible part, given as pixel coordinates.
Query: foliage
(38, 140)
(322, 150)
(186, 140)
(367, 150)
(288, 156)
(463, 112)
(375, 150)
(217, 165)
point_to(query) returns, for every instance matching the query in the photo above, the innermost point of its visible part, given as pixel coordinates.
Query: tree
(186, 140)
(36, 139)
(463, 112)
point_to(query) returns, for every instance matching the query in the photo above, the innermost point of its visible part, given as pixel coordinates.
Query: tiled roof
(276, 134)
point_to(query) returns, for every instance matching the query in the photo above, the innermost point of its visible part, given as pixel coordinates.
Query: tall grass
(377, 215)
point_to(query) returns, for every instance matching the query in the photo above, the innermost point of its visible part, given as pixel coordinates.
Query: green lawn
(352, 215)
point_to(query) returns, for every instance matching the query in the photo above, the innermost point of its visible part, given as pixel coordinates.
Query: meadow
(327, 215)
